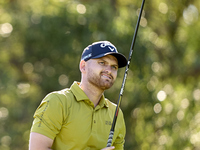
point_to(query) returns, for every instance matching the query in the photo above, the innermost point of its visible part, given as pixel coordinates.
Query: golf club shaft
(109, 142)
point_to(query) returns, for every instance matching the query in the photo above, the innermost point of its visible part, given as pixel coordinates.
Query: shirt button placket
(94, 121)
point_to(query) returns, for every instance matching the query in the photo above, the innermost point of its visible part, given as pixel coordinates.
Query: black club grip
(110, 139)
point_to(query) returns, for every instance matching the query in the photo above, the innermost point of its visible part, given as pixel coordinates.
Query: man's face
(102, 72)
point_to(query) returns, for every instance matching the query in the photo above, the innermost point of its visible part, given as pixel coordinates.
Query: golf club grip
(110, 139)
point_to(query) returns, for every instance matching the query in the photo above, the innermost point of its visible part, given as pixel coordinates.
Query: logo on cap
(110, 46)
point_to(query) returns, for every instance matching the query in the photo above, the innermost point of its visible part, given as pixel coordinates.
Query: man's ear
(82, 66)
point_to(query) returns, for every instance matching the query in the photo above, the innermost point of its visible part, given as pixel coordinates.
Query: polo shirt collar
(80, 94)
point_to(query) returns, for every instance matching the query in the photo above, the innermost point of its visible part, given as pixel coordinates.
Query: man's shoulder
(109, 103)
(112, 105)
(62, 95)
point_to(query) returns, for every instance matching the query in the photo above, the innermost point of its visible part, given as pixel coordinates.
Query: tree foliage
(41, 44)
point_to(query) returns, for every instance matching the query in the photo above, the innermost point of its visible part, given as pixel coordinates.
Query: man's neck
(93, 93)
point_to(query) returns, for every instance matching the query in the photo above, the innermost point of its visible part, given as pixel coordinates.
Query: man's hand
(108, 148)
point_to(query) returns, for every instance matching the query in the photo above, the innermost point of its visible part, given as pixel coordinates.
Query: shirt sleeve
(120, 139)
(48, 118)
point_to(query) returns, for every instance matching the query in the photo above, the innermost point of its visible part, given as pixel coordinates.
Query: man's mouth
(107, 76)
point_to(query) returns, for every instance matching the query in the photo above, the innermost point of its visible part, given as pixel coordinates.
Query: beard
(98, 80)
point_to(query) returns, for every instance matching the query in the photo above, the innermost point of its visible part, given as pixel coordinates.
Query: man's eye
(102, 63)
(115, 67)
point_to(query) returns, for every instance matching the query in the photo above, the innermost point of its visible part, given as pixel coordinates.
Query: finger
(108, 148)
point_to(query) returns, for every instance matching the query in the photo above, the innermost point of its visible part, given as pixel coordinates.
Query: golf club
(110, 138)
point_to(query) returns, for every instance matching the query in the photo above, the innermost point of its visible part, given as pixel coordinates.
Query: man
(80, 117)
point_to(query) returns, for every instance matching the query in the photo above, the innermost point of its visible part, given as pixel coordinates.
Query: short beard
(96, 80)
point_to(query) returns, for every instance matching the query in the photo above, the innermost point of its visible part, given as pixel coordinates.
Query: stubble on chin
(106, 85)
(103, 84)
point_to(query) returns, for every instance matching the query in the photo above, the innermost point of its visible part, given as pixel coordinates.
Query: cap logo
(110, 46)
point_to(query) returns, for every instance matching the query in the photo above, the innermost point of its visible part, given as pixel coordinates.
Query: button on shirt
(71, 120)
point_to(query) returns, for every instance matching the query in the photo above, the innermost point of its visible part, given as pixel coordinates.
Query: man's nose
(108, 69)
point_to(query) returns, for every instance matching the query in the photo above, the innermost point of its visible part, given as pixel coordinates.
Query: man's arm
(39, 142)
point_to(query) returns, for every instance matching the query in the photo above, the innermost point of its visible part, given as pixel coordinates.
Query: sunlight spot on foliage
(153, 37)
(81, 9)
(168, 89)
(51, 10)
(5, 15)
(160, 43)
(23, 88)
(161, 95)
(160, 122)
(180, 115)
(50, 71)
(6, 140)
(71, 7)
(138, 12)
(143, 22)
(152, 83)
(98, 35)
(195, 138)
(136, 113)
(169, 108)
(18, 50)
(38, 66)
(37, 78)
(26, 135)
(196, 119)
(176, 127)
(196, 94)
(190, 14)
(4, 147)
(157, 108)
(3, 113)
(121, 22)
(163, 8)
(145, 145)
(190, 56)
(4, 56)
(5, 99)
(129, 87)
(81, 20)
(63, 80)
(162, 140)
(28, 68)
(67, 32)
(76, 47)
(6, 29)
(172, 16)
(35, 18)
(156, 67)
(185, 103)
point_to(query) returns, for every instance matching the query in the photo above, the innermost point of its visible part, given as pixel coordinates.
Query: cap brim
(122, 61)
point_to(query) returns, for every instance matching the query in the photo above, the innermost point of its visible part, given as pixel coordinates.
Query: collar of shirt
(81, 96)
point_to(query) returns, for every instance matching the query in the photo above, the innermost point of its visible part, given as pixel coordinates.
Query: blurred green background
(40, 47)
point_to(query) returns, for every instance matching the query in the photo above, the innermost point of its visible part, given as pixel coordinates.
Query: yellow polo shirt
(71, 120)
